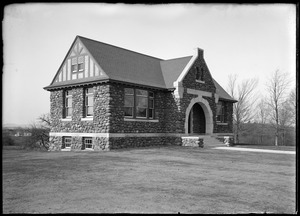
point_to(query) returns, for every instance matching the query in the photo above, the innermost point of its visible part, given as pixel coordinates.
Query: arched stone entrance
(196, 124)
(202, 121)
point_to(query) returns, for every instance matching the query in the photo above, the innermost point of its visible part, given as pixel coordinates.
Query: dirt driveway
(148, 180)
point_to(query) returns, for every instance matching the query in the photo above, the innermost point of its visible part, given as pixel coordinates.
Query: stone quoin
(105, 97)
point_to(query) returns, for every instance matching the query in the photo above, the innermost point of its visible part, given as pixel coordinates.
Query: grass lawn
(148, 180)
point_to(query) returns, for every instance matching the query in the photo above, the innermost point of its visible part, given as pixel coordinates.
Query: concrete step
(208, 140)
(212, 141)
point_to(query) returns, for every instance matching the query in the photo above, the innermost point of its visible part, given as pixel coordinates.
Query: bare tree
(287, 115)
(39, 132)
(242, 110)
(292, 103)
(277, 87)
(262, 115)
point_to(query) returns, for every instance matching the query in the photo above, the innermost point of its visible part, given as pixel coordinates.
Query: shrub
(6, 139)
(39, 139)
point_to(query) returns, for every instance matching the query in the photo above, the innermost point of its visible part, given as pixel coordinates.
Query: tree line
(272, 114)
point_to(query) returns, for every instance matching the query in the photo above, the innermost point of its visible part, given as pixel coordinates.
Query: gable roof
(222, 93)
(172, 68)
(124, 65)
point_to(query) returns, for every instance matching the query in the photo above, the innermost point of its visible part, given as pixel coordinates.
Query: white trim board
(256, 150)
(107, 135)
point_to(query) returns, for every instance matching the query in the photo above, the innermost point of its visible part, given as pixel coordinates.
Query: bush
(39, 138)
(7, 139)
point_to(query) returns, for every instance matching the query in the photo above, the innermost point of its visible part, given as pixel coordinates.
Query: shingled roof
(124, 65)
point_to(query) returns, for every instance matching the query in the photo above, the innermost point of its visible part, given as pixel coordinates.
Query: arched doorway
(203, 116)
(196, 122)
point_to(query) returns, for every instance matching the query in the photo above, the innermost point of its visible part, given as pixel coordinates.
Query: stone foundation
(110, 143)
(99, 143)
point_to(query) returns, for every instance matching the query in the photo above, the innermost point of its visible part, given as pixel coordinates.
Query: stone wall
(109, 118)
(101, 118)
(165, 111)
(78, 124)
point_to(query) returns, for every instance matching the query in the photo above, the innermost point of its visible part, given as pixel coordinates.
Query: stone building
(105, 97)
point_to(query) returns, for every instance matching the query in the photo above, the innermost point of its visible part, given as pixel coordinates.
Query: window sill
(66, 119)
(222, 123)
(66, 149)
(200, 81)
(87, 119)
(140, 120)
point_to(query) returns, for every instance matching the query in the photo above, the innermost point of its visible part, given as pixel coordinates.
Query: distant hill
(12, 125)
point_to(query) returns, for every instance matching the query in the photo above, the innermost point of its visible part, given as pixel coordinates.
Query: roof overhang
(85, 83)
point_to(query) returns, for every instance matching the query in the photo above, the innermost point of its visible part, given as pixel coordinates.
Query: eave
(93, 82)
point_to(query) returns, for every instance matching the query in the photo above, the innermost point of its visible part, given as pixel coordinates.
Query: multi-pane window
(129, 102)
(77, 64)
(80, 63)
(89, 102)
(151, 105)
(220, 111)
(139, 103)
(74, 65)
(67, 112)
(87, 143)
(66, 142)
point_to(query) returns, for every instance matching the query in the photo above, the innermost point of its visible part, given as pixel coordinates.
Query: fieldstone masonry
(192, 141)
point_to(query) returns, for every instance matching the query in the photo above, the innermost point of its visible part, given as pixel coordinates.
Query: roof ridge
(178, 58)
(119, 47)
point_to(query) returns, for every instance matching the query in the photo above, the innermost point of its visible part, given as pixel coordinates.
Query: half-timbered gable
(78, 66)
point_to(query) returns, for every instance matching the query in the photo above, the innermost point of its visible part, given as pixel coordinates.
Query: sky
(250, 40)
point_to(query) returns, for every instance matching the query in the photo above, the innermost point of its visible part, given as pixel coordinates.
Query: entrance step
(206, 140)
(211, 141)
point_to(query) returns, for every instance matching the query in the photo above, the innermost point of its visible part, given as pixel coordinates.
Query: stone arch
(207, 111)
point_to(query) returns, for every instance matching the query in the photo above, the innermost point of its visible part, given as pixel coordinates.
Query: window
(199, 74)
(151, 105)
(89, 102)
(80, 63)
(67, 112)
(220, 112)
(87, 143)
(74, 65)
(77, 64)
(138, 103)
(129, 102)
(141, 103)
(66, 142)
